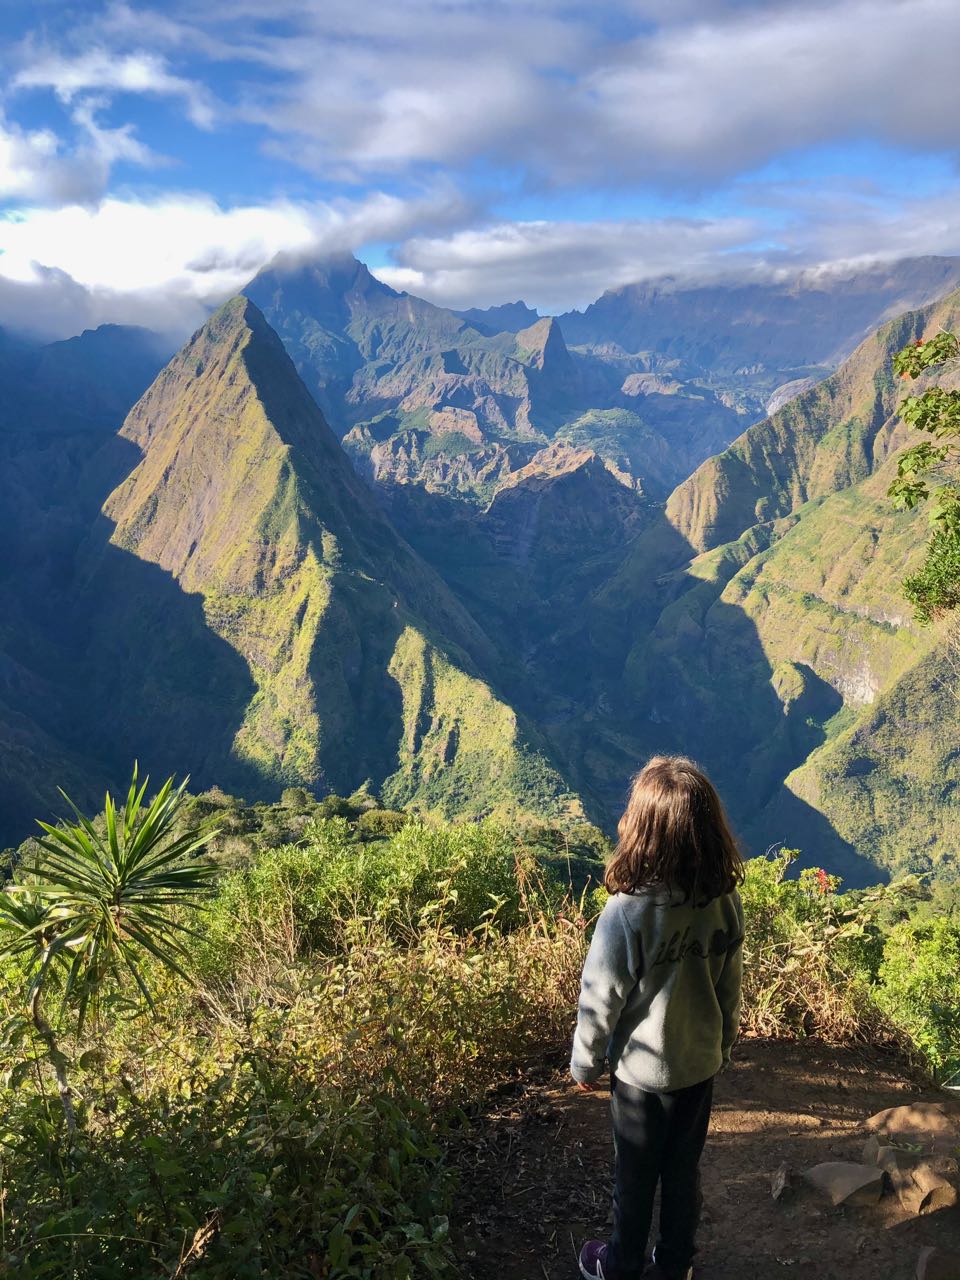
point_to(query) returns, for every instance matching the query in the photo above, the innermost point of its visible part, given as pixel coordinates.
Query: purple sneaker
(593, 1258)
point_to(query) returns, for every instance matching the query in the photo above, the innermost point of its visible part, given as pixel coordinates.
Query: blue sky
(153, 156)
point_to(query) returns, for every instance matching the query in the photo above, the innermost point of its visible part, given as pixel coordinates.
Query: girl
(660, 999)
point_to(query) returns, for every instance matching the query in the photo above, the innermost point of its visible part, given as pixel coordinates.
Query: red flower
(823, 880)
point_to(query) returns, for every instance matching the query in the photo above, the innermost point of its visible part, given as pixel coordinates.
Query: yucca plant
(97, 902)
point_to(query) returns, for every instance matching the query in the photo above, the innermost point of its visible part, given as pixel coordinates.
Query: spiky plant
(96, 903)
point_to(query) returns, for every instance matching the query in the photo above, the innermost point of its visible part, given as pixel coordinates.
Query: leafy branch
(935, 588)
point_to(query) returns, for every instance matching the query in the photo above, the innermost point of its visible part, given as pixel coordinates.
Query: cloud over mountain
(473, 153)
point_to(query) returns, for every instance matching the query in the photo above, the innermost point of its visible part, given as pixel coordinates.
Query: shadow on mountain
(157, 684)
(695, 678)
(361, 705)
(113, 660)
(791, 822)
(652, 659)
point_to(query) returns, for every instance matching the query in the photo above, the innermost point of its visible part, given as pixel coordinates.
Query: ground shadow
(539, 1172)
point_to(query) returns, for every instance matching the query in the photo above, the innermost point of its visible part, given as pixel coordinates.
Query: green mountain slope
(362, 665)
(827, 438)
(770, 638)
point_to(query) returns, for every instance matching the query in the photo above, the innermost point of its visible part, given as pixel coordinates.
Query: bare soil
(536, 1173)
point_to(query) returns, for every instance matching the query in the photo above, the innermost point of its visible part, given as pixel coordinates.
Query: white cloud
(619, 92)
(507, 99)
(36, 167)
(28, 161)
(165, 262)
(558, 265)
(616, 93)
(104, 71)
(722, 96)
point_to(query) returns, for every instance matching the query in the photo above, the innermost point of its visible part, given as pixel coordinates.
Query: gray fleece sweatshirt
(660, 995)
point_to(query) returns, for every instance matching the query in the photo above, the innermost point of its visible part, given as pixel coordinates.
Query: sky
(153, 156)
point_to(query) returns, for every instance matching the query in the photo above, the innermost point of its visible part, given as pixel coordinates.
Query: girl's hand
(590, 1086)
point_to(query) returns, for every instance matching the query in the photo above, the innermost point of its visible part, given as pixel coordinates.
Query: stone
(781, 1182)
(871, 1149)
(845, 1182)
(921, 1185)
(931, 1191)
(934, 1264)
(935, 1126)
(897, 1165)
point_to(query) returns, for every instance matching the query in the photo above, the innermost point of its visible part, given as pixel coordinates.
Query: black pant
(656, 1137)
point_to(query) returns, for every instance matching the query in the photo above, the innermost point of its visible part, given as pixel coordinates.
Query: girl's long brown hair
(674, 834)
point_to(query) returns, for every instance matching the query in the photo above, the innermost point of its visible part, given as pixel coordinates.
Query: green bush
(300, 898)
(377, 824)
(806, 965)
(258, 1168)
(919, 989)
(353, 989)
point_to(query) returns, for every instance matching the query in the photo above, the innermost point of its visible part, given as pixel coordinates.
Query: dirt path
(537, 1181)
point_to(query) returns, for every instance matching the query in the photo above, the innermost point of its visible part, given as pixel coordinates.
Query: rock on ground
(846, 1181)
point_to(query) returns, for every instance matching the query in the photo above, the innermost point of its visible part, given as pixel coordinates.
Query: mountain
(61, 406)
(756, 336)
(247, 603)
(423, 395)
(416, 392)
(767, 632)
(554, 528)
(477, 617)
(509, 317)
(85, 383)
(655, 378)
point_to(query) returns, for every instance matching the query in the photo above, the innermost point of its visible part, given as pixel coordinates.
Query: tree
(97, 902)
(935, 588)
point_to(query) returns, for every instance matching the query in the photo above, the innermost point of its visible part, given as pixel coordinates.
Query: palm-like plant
(97, 904)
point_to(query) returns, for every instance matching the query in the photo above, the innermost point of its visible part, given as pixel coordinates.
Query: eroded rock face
(846, 1182)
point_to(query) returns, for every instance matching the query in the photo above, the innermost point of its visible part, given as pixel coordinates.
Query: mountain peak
(320, 287)
(544, 344)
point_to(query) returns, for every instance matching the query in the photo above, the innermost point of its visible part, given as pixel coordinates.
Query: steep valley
(504, 573)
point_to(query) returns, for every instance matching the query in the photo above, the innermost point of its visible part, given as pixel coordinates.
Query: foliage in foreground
(347, 1001)
(289, 1111)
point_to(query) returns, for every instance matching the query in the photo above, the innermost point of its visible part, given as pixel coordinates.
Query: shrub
(377, 824)
(291, 1121)
(804, 970)
(258, 1167)
(919, 989)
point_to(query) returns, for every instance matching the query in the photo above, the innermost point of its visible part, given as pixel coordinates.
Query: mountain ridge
(348, 636)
